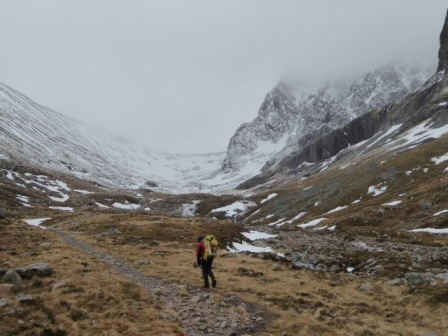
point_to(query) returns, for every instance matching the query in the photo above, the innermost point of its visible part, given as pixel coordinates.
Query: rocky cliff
(426, 108)
(292, 115)
(443, 51)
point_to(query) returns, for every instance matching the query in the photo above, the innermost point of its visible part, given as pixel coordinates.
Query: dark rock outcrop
(443, 51)
(39, 270)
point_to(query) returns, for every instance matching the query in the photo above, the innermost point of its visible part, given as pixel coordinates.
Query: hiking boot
(206, 286)
(214, 283)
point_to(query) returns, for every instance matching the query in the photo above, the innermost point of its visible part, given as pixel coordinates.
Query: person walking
(205, 261)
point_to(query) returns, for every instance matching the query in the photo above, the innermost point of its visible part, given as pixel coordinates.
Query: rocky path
(200, 311)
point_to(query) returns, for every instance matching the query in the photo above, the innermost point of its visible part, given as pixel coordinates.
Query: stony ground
(201, 311)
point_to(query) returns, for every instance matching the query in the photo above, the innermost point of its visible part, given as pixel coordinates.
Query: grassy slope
(84, 296)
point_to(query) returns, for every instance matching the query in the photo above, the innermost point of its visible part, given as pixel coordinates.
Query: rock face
(443, 51)
(426, 107)
(294, 115)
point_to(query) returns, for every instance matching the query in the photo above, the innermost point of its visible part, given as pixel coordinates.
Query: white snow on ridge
(102, 205)
(311, 223)
(268, 198)
(440, 212)
(392, 203)
(189, 209)
(339, 208)
(257, 235)
(439, 159)
(300, 215)
(245, 247)
(85, 192)
(375, 191)
(61, 199)
(418, 134)
(24, 199)
(431, 230)
(61, 208)
(278, 223)
(387, 133)
(126, 206)
(235, 208)
(36, 221)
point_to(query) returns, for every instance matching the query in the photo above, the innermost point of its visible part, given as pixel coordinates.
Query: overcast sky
(181, 76)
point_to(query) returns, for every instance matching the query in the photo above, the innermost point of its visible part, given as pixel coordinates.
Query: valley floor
(128, 274)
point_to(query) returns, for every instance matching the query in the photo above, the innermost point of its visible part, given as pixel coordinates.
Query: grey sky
(181, 76)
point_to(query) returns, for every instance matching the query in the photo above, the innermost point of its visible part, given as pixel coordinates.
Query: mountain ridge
(303, 114)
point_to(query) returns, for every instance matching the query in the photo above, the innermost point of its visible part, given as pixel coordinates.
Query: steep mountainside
(38, 135)
(400, 125)
(292, 115)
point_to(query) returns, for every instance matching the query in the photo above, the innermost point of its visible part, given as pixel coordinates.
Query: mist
(181, 76)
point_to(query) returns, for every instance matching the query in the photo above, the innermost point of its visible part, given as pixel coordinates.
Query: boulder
(335, 268)
(366, 287)
(419, 279)
(39, 269)
(12, 277)
(439, 256)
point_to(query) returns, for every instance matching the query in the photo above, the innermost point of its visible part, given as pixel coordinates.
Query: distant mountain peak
(443, 51)
(295, 112)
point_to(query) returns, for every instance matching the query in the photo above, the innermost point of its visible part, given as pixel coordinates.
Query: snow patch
(126, 206)
(61, 208)
(235, 208)
(102, 205)
(245, 247)
(392, 203)
(312, 223)
(339, 208)
(36, 221)
(439, 159)
(61, 199)
(257, 235)
(375, 191)
(431, 230)
(85, 192)
(440, 212)
(268, 198)
(189, 209)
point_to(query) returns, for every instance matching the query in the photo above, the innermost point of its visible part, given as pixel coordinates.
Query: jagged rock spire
(443, 51)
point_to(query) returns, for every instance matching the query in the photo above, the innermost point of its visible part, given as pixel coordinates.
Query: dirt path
(200, 311)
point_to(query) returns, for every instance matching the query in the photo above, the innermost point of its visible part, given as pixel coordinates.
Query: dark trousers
(207, 270)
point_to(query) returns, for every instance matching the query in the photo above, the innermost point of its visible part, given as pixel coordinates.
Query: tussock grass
(302, 302)
(82, 297)
(85, 297)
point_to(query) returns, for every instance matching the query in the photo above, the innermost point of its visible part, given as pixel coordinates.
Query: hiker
(205, 260)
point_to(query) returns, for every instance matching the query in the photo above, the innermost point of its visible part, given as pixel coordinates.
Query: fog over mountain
(183, 76)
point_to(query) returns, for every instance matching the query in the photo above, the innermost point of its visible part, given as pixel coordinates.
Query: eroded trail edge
(200, 311)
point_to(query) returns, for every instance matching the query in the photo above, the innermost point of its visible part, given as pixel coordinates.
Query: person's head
(200, 238)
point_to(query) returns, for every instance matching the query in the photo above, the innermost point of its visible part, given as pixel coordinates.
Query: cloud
(181, 76)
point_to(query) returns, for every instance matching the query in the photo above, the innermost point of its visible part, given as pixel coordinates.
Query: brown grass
(303, 302)
(85, 297)
(82, 297)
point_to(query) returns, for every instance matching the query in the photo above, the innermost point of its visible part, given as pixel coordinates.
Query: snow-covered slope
(293, 115)
(36, 134)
